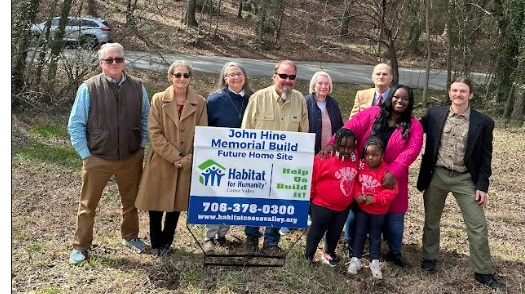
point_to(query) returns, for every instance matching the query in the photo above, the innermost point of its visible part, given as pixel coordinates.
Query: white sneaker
(355, 265)
(375, 268)
(209, 246)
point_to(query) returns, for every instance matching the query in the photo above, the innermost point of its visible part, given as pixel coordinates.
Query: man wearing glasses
(381, 77)
(277, 107)
(108, 129)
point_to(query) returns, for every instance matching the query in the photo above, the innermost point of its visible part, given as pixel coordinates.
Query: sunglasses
(110, 60)
(178, 75)
(285, 76)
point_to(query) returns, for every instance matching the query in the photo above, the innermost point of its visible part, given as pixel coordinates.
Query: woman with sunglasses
(165, 184)
(402, 135)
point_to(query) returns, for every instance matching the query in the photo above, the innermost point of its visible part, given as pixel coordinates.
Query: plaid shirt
(451, 151)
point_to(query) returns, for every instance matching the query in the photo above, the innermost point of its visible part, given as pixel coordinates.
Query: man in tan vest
(108, 129)
(382, 77)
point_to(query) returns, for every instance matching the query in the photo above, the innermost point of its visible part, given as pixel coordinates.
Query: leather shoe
(490, 281)
(429, 265)
(397, 259)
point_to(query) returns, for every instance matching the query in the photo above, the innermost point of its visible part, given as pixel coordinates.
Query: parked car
(86, 31)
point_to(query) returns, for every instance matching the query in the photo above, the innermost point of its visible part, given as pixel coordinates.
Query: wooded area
(477, 35)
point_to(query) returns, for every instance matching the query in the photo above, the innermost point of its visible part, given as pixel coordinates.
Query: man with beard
(277, 107)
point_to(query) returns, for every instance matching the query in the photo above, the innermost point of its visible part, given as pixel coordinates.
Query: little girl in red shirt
(373, 201)
(332, 193)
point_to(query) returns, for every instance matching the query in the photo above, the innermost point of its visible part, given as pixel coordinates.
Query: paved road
(340, 73)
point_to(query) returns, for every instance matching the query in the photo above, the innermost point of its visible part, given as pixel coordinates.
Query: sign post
(250, 177)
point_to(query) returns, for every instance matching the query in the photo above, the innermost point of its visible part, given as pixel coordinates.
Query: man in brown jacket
(108, 129)
(382, 77)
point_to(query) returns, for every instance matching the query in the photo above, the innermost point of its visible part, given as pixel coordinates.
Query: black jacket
(478, 154)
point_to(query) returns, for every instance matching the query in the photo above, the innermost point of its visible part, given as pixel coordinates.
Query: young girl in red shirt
(332, 193)
(373, 201)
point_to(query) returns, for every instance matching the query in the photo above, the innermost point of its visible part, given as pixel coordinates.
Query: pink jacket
(399, 154)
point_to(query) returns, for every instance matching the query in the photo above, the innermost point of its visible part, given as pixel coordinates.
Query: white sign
(251, 177)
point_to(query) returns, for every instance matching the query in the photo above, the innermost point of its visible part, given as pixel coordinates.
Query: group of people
(360, 175)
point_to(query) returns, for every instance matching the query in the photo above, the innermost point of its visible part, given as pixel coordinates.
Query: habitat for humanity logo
(211, 173)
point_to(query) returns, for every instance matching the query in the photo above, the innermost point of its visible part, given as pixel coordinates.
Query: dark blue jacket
(226, 109)
(314, 117)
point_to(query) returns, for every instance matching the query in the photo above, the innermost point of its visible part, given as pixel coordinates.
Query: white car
(87, 31)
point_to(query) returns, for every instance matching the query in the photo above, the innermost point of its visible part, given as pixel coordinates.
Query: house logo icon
(211, 173)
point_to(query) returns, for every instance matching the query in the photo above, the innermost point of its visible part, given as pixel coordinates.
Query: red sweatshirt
(333, 182)
(370, 181)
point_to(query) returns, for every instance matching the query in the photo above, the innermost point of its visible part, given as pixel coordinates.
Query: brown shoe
(252, 244)
(273, 250)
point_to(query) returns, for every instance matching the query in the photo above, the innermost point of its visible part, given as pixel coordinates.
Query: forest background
(456, 36)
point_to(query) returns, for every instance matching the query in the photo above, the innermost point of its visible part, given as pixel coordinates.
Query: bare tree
(416, 26)
(345, 19)
(92, 8)
(239, 12)
(131, 6)
(20, 42)
(189, 15)
(427, 69)
(58, 43)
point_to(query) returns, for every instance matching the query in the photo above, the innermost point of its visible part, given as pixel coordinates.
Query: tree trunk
(416, 28)
(189, 17)
(281, 6)
(345, 20)
(130, 13)
(58, 44)
(239, 12)
(427, 70)
(518, 112)
(92, 8)
(20, 44)
(381, 26)
(508, 49)
(449, 42)
(393, 61)
(43, 44)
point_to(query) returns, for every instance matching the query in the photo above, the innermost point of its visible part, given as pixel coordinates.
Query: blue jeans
(271, 234)
(393, 231)
(350, 224)
(371, 225)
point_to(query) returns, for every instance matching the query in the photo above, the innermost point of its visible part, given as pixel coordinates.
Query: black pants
(324, 220)
(371, 225)
(162, 237)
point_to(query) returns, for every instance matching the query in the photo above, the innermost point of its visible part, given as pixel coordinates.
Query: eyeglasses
(285, 76)
(235, 75)
(178, 75)
(110, 60)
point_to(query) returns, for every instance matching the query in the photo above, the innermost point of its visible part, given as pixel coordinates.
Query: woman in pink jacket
(402, 134)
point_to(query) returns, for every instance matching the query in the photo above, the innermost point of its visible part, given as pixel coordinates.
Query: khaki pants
(461, 186)
(96, 172)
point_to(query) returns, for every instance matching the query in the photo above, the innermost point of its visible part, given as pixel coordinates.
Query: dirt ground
(45, 192)
(45, 199)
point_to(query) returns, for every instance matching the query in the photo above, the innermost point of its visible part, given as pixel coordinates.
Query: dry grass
(46, 181)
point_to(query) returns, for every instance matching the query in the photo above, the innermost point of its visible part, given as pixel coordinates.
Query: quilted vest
(113, 126)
